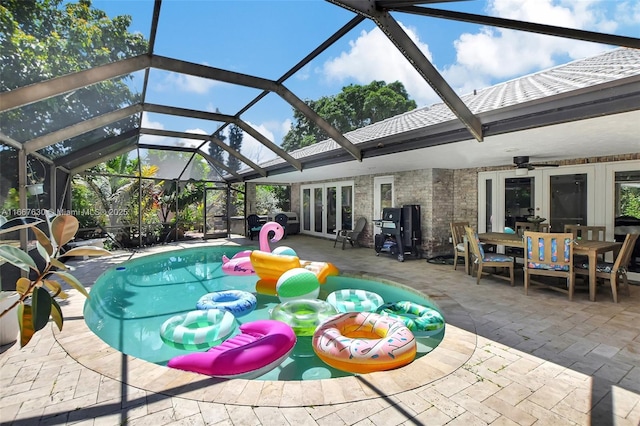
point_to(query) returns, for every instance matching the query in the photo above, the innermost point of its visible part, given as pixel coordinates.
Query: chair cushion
(554, 250)
(256, 228)
(460, 247)
(532, 265)
(479, 245)
(606, 267)
(497, 257)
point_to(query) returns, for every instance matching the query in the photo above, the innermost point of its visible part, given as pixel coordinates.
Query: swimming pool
(130, 302)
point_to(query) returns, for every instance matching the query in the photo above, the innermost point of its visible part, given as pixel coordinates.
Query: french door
(326, 208)
(563, 195)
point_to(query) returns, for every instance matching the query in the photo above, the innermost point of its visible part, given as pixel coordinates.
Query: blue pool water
(129, 304)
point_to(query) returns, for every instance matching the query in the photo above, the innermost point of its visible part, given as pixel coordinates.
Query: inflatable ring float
(421, 320)
(237, 302)
(198, 329)
(304, 316)
(362, 342)
(352, 300)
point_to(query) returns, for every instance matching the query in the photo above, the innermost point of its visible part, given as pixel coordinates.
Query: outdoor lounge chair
(351, 236)
(282, 219)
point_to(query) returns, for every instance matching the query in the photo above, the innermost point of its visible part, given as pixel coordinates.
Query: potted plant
(36, 183)
(33, 302)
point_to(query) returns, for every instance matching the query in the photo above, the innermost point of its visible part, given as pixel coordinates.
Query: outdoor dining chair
(521, 227)
(584, 232)
(616, 271)
(483, 260)
(549, 255)
(457, 238)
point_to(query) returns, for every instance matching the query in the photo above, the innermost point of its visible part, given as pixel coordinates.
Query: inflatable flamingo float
(240, 263)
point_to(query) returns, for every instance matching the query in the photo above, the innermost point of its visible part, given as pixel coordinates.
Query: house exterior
(581, 119)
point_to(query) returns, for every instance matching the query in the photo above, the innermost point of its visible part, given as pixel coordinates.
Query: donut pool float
(421, 320)
(363, 342)
(198, 329)
(237, 302)
(304, 316)
(259, 348)
(355, 300)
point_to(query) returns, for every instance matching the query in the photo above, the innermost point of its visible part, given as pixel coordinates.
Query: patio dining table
(581, 247)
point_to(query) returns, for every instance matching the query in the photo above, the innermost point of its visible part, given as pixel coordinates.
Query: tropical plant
(38, 292)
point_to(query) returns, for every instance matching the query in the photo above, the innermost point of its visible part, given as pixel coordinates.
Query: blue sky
(267, 38)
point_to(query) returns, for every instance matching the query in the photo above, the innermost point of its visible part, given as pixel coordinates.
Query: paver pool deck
(506, 359)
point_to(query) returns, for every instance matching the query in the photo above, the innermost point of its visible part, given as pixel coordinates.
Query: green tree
(355, 107)
(630, 201)
(217, 153)
(235, 141)
(43, 39)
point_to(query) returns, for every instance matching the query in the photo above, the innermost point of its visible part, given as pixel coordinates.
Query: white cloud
(148, 124)
(628, 12)
(185, 83)
(255, 150)
(496, 53)
(373, 57)
(488, 55)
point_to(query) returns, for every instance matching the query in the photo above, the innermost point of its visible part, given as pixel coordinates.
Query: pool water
(129, 304)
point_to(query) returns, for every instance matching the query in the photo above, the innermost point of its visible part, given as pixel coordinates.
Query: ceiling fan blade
(543, 165)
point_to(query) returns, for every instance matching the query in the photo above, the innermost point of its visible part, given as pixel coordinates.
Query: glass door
(383, 197)
(317, 218)
(312, 209)
(326, 208)
(569, 196)
(622, 201)
(519, 200)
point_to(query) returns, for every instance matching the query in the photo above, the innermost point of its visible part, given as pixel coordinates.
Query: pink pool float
(259, 348)
(240, 263)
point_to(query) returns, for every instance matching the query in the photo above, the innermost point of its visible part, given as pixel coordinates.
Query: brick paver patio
(507, 359)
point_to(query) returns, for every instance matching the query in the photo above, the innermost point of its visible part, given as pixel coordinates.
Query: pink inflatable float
(240, 264)
(261, 347)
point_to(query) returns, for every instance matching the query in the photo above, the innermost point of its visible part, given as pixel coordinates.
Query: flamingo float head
(278, 231)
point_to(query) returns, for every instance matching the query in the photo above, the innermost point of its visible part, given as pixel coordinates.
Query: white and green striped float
(354, 300)
(421, 320)
(198, 329)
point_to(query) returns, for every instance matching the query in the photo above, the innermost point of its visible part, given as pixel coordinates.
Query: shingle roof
(608, 66)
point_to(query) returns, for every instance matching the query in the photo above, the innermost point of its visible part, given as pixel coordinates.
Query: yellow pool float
(269, 267)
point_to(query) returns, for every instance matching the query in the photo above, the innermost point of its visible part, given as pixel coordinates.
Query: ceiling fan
(522, 162)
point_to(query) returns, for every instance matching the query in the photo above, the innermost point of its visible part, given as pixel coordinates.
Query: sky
(266, 38)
